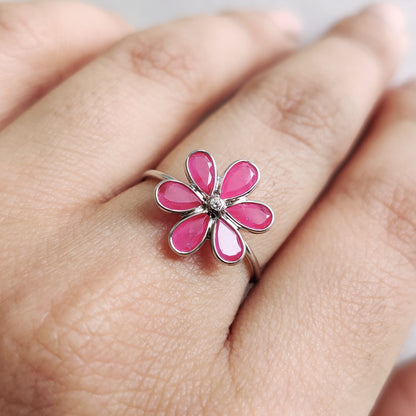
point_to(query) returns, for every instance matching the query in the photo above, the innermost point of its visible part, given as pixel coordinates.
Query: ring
(214, 208)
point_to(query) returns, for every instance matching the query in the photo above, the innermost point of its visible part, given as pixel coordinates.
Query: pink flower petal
(227, 242)
(189, 233)
(201, 169)
(252, 215)
(176, 196)
(240, 179)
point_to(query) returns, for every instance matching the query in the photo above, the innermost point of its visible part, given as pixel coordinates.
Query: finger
(120, 113)
(296, 125)
(333, 309)
(40, 46)
(292, 173)
(399, 395)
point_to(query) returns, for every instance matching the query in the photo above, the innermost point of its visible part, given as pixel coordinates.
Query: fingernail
(390, 13)
(287, 22)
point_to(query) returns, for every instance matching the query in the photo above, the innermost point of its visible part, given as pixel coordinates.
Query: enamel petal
(240, 178)
(176, 196)
(227, 242)
(201, 169)
(189, 233)
(252, 215)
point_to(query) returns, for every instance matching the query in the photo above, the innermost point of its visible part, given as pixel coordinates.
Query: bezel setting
(213, 205)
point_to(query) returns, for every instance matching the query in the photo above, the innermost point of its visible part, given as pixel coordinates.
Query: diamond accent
(216, 204)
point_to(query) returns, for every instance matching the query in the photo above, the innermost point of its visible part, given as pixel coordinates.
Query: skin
(99, 317)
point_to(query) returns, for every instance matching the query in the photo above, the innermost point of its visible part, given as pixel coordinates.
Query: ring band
(214, 208)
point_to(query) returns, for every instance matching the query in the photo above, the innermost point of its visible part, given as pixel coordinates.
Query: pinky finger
(334, 307)
(399, 396)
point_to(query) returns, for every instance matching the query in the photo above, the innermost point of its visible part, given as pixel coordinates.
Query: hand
(99, 317)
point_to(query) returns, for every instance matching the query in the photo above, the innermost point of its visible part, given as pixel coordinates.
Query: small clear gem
(216, 204)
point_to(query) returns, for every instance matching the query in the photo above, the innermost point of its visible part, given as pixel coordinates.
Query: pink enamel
(239, 180)
(176, 196)
(228, 243)
(187, 236)
(252, 215)
(201, 168)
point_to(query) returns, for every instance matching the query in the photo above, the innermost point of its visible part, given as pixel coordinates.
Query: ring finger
(296, 121)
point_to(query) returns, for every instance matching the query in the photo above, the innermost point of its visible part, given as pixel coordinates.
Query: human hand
(99, 317)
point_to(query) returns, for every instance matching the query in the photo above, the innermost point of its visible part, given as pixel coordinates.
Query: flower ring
(213, 207)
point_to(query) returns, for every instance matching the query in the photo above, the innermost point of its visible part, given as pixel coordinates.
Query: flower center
(216, 204)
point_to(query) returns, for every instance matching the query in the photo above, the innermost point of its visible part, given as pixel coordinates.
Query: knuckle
(362, 305)
(376, 280)
(390, 200)
(299, 109)
(82, 347)
(166, 58)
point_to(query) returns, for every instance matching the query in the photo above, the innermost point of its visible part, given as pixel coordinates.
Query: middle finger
(297, 122)
(97, 132)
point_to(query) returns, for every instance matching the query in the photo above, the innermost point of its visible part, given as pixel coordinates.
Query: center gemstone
(216, 204)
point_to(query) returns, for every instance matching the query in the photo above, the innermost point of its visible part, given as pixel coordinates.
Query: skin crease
(99, 317)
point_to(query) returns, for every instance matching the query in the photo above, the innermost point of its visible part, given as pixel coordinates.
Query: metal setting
(214, 206)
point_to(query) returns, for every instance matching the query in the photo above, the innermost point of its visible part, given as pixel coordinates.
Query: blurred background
(317, 16)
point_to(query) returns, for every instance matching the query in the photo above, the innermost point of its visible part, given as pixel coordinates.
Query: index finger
(39, 47)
